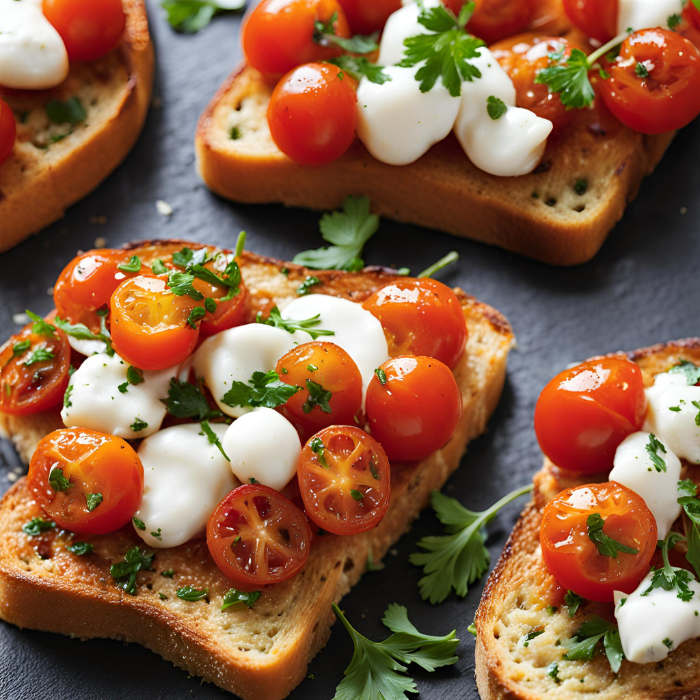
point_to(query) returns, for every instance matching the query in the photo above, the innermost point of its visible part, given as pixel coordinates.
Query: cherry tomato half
(149, 323)
(278, 35)
(331, 387)
(413, 405)
(256, 536)
(574, 559)
(89, 28)
(595, 18)
(523, 57)
(368, 16)
(655, 83)
(86, 481)
(345, 480)
(313, 112)
(8, 131)
(496, 19)
(35, 368)
(87, 284)
(421, 317)
(585, 412)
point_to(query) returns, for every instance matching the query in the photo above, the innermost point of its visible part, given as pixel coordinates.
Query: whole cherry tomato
(585, 412)
(573, 525)
(595, 18)
(87, 283)
(689, 26)
(86, 481)
(368, 16)
(279, 35)
(8, 131)
(496, 19)
(313, 112)
(421, 317)
(35, 368)
(523, 57)
(655, 82)
(89, 28)
(413, 406)
(150, 324)
(330, 383)
(256, 536)
(345, 480)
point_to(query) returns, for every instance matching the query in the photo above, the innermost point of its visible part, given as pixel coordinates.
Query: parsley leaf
(673, 21)
(70, 111)
(57, 481)
(307, 325)
(235, 596)
(139, 524)
(138, 425)
(80, 331)
(180, 283)
(93, 500)
(134, 375)
(445, 52)
(188, 257)
(607, 546)
(197, 314)
(573, 602)
(377, 670)
(670, 577)
(318, 396)
(457, 559)
(324, 35)
(191, 593)
(80, 548)
(305, 287)
(186, 400)
(21, 347)
(690, 503)
(189, 16)
(39, 326)
(589, 634)
(67, 397)
(381, 376)
(263, 389)
(159, 268)
(133, 265)
(495, 107)
(37, 526)
(348, 231)
(689, 370)
(213, 438)
(358, 67)
(124, 572)
(318, 448)
(652, 448)
(40, 354)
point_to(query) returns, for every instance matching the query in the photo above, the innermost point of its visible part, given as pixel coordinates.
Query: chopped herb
(123, 388)
(670, 577)
(573, 602)
(552, 609)
(80, 331)
(134, 375)
(589, 634)
(530, 636)
(234, 596)
(138, 425)
(311, 368)
(189, 16)
(667, 643)
(39, 326)
(641, 70)
(553, 672)
(41, 354)
(495, 107)
(180, 283)
(93, 501)
(125, 572)
(133, 265)
(162, 596)
(188, 257)
(80, 548)
(607, 546)
(688, 369)
(263, 389)
(159, 268)
(67, 396)
(318, 396)
(307, 325)
(358, 67)
(37, 526)
(213, 438)
(57, 481)
(357, 495)
(186, 400)
(70, 111)
(168, 573)
(443, 262)
(305, 287)
(318, 448)
(381, 375)
(191, 593)
(325, 35)
(652, 448)
(235, 133)
(472, 629)
(673, 21)
(197, 314)
(581, 187)
(210, 305)
(252, 480)
(158, 534)
(21, 347)
(138, 523)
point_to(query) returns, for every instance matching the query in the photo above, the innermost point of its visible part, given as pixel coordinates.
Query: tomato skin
(421, 317)
(257, 515)
(368, 16)
(349, 462)
(523, 57)
(335, 371)
(94, 463)
(278, 35)
(496, 19)
(690, 23)
(416, 411)
(585, 412)
(149, 325)
(89, 28)
(573, 559)
(595, 18)
(8, 131)
(666, 100)
(39, 386)
(313, 112)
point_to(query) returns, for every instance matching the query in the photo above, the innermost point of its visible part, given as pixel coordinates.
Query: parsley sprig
(213, 438)
(358, 67)
(606, 545)
(189, 16)
(262, 389)
(318, 396)
(670, 577)
(80, 331)
(234, 596)
(445, 51)
(186, 400)
(308, 325)
(457, 559)
(377, 669)
(325, 35)
(125, 572)
(589, 634)
(652, 447)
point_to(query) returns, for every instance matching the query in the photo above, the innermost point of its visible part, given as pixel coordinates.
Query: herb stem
(592, 58)
(448, 259)
(240, 244)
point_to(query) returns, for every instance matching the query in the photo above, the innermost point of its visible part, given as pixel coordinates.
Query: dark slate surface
(641, 289)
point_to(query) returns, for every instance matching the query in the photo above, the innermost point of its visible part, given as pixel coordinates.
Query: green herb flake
(138, 425)
(234, 596)
(93, 501)
(125, 572)
(57, 481)
(70, 111)
(132, 265)
(37, 526)
(80, 549)
(191, 594)
(495, 107)
(606, 545)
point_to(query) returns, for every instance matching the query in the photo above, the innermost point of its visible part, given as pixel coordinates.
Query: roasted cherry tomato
(345, 480)
(330, 387)
(89, 28)
(35, 367)
(570, 524)
(496, 19)
(655, 82)
(256, 536)
(368, 16)
(278, 35)
(413, 405)
(8, 131)
(523, 57)
(421, 317)
(312, 113)
(149, 323)
(87, 283)
(689, 26)
(595, 18)
(585, 412)
(86, 481)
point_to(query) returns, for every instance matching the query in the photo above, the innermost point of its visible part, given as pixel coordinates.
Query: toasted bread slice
(43, 176)
(258, 653)
(520, 588)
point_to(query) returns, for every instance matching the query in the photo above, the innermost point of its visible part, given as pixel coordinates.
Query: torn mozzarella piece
(32, 53)
(263, 445)
(653, 625)
(634, 469)
(94, 400)
(401, 25)
(645, 14)
(184, 479)
(509, 146)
